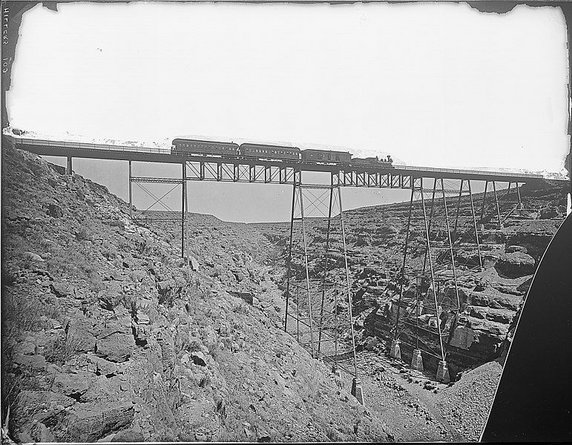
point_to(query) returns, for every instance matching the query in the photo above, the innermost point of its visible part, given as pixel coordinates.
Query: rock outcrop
(489, 299)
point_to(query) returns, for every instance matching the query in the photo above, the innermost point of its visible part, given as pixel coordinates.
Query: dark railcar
(196, 147)
(365, 161)
(326, 156)
(263, 151)
(373, 162)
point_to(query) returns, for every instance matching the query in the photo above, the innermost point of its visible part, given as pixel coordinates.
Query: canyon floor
(108, 335)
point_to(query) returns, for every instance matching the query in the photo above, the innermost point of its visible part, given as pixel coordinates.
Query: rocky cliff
(107, 334)
(489, 299)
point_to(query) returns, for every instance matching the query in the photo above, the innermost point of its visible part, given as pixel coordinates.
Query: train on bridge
(265, 152)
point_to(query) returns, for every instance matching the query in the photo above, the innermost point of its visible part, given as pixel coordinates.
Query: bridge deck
(213, 168)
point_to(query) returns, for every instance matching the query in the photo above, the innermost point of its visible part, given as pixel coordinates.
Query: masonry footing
(357, 390)
(395, 351)
(443, 372)
(417, 360)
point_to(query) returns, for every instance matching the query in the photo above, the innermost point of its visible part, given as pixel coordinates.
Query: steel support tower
(439, 217)
(318, 299)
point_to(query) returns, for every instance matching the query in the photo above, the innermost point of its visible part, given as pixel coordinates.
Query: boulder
(143, 318)
(61, 289)
(196, 421)
(106, 389)
(387, 230)
(141, 332)
(467, 257)
(534, 237)
(492, 330)
(210, 338)
(80, 335)
(41, 433)
(31, 256)
(371, 343)
(515, 264)
(30, 401)
(136, 275)
(370, 272)
(194, 263)
(128, 436)
(463, 337)
(116, 347)
(72, 385)
(246, 296)
(26, 347)
(35, 362)
(88, 422)
(102, 366)
(495, 300)
(549, 212)
(238, 275)
(110, 296)
(499, 315)
(120, 325)
(55, 211)
(165, 286)
(199, 358)
(262, 435)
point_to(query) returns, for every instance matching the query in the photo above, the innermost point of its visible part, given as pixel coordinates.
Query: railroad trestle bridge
(310, 315)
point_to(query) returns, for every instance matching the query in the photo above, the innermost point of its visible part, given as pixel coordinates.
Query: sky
(438, 85)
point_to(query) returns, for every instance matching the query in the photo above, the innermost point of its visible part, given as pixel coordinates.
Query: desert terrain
(109, 335)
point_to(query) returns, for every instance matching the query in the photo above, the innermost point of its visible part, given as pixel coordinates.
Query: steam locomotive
(265, 152)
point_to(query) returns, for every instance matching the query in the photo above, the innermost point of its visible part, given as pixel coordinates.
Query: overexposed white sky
(439, 85)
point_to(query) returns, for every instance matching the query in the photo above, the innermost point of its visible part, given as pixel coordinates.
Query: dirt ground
(420, 409)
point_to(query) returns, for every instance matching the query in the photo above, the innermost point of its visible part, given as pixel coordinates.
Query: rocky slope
(107, 334)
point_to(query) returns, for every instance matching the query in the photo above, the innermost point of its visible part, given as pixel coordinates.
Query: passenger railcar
(263, 151)
(189, 147)
(326, 156)
(196, 147)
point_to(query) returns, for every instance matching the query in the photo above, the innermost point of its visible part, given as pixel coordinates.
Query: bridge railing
(459, 171)
(91, 146)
